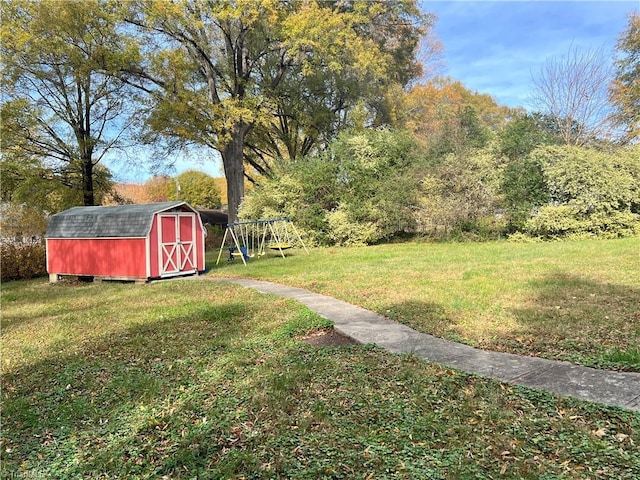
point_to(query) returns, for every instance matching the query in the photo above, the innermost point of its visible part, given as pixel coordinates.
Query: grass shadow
(40, 307)
(563, 317)
(576, 319)
(222, 391)
(60, 399)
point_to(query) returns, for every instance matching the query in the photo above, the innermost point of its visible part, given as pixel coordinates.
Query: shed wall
(112, 257)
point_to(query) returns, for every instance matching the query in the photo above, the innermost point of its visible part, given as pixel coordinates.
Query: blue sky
(495, 47)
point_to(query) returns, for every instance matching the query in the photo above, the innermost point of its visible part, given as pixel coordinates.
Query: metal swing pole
(277, 238)
(224, 239)
(277, 228)
(253, 241)
(263, 241)
(237, 243)
(298, 235)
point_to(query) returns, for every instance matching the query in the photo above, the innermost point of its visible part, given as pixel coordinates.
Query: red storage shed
(126, 242)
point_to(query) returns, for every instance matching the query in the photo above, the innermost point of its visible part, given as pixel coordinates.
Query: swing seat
(281, 246)
(233, 252)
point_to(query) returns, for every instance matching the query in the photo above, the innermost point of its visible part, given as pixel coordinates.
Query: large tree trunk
(87, 182)
(233, 162)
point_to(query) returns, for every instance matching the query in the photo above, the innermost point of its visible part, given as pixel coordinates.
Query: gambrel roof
(132, 221)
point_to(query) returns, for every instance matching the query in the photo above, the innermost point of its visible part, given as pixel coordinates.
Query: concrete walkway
(620, 389)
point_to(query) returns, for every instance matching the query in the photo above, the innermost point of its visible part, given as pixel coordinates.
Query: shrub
(524, 190)
(592, 193)
(304, 191)
(459, 198)
(591, 180)
(554, 221)
(22, 261)
(519, 237)
(358, 192)
(344, 231)
(214, 237)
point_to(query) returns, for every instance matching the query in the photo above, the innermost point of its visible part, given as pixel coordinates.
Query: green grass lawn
(196, 379)
(577, 301)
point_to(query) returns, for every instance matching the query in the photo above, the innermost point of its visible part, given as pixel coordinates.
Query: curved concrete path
(620, 389)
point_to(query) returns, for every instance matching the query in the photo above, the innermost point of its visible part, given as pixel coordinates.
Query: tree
(220, 71)
(524, 133)
(448, 117)
(124, 193)
(573, 90)
(197, 188)
(22, 222)
(68, 110)
(158, 188)
(310, 113)
(460, 195)
(625, 88)
(523, 187)
(524, 190)
(35, 182)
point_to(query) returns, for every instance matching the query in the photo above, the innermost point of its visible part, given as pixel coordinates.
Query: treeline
(373, 185)
(320, 106)
(246, 82)
(452, 164)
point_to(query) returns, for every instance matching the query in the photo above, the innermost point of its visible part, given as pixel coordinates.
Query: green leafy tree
(378, 179)
(58, 61)
(524, 190)
(197, 188)
(524, 133)
(310, 113)
(33, 182)
(625, 88)
(523, 187)
(265, 76)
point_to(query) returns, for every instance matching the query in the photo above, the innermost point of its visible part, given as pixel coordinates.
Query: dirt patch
(328, 338)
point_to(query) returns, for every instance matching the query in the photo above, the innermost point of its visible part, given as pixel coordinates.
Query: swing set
(251, 239)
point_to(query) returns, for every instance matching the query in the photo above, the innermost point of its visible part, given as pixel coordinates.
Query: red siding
(97, 257)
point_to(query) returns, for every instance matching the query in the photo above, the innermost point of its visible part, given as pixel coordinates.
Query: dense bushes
(22, 261)
(372, 185)
(524, 191)
(591, 193)
(459, 197)
(361, 190)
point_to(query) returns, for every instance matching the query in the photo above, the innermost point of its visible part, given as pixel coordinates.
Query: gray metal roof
(116, 221)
